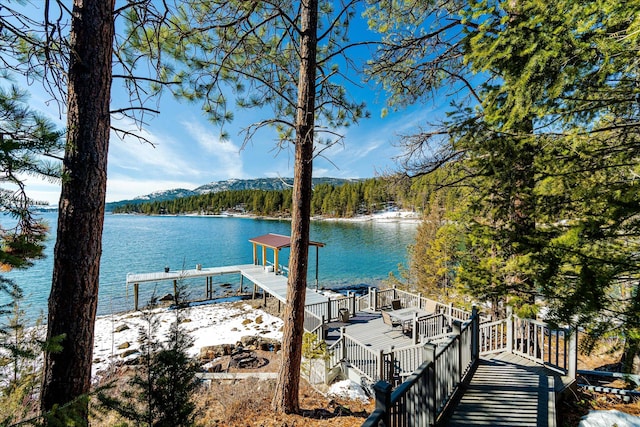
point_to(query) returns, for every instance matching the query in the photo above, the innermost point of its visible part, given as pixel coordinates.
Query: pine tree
(161, 392)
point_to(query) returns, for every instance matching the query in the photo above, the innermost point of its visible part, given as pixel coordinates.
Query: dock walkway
(507, 391)
(270, 282)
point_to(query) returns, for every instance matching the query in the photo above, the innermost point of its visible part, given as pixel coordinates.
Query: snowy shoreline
(408, 217)
(116, 336)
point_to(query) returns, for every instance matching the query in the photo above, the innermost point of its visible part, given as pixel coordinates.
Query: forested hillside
(346, 200)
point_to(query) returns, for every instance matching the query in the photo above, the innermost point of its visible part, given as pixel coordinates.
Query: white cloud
(225, 157)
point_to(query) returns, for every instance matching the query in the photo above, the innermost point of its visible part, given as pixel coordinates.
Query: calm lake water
(356, 253)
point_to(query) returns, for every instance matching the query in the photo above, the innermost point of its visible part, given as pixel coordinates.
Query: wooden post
(352, 303)
(135, 296)
(264, 256)
(374, 293)
(241, 283)
(317, 266)
(324, 331)
(381, 367)
(510, 330)
(475, 335)
(329, 310)
(420, 300)
(253, 296)
(175, 291)
(429, 355)
(414, 329)
(255, 254)
(572, 368)
(457, 329)
(276, 262)
(382, 390)
(264, 297)
(344, 347)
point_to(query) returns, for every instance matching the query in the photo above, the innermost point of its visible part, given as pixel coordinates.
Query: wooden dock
(508, 391)
(266, 279)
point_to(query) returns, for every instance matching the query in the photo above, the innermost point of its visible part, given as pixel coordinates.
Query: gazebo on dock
(276, 242)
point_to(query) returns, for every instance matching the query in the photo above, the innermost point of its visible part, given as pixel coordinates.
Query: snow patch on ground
(349, 390)
(117, 336)
(608, 419)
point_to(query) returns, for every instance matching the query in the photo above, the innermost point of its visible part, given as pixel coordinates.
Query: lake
(356, 253)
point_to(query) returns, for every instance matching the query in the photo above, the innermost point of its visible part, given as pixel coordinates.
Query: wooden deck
(508, 391)
(369, 329)
(272, 283)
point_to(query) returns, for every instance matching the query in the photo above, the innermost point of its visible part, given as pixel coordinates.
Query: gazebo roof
(278, 241)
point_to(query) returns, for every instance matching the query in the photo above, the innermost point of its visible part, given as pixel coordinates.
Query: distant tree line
(347, 200)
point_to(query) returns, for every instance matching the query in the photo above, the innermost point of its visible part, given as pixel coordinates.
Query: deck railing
(531, 339)
(493, 337)
(431, 326)
(314, 324)
(422, 398)
(377, 299)
(333, 308)
(393, 365)
(359, 357)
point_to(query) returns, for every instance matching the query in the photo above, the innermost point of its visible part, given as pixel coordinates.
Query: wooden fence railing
(422, 398)
(333, 309)
(556, 349)
(377, 299)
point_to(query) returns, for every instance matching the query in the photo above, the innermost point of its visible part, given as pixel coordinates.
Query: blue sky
(187, 151)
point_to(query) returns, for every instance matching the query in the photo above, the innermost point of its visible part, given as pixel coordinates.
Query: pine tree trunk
(286, 394)
(74, 292)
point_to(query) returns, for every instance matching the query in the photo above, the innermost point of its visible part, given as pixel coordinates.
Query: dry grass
(247, 403)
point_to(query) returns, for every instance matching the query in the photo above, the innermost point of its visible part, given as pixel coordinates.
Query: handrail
(422, 398)
(531, 339)
(314, 324)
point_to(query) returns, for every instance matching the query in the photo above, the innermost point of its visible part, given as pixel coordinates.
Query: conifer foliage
(160, 393)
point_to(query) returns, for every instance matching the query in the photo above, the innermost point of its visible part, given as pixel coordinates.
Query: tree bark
(74, 292)
(286, 394)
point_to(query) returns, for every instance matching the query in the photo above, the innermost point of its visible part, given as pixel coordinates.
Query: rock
(167, 297)
(121, 328)
(211, 352)
(128, 353)
(124, 345)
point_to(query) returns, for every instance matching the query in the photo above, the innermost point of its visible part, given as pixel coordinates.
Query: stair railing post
(382, 390)
(572, 368)
(475, 335)
(382, 372)
(414, 329)
(374, 294)
(510, 336)
(429, 356)
(344, 344)
(352, 303)
(456, 328)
